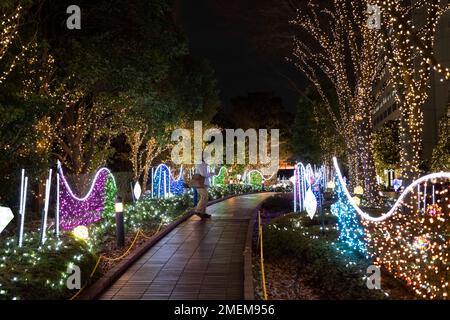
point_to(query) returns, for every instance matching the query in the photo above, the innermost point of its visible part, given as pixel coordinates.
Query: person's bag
(197, 181)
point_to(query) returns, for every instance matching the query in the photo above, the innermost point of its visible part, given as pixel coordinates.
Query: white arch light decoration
(409, 189)
(92, 184)
(73, 210)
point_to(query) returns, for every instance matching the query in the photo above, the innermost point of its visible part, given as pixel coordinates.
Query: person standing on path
(200, 210)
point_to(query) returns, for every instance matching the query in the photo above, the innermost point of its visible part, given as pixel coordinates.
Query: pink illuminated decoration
(75, 211)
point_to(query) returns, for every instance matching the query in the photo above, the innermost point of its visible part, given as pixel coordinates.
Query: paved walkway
(197, 260)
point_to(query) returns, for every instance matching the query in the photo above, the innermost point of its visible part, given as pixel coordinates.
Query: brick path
(197, 260)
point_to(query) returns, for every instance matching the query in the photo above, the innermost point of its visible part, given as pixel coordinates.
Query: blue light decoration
(351, 232)
(317, 187)
(177, 185)
(164, 184)
(396, 184)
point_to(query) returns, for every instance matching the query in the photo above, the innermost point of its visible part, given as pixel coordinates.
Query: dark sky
(234, 36)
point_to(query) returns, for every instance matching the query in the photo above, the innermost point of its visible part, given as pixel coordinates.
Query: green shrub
(39, 272)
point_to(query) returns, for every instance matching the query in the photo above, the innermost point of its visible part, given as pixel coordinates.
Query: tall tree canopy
(75, 94)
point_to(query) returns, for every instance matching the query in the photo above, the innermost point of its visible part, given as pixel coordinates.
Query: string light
(350, 229)
(410, 58)
(9, 31)
(400, 200)
(342, 49)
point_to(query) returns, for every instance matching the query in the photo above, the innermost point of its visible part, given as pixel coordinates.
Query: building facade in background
(438, 103)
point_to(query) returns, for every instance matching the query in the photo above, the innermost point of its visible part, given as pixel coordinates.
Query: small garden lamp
(120, 230)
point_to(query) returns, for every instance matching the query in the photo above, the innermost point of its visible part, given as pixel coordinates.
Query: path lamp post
(120, 230)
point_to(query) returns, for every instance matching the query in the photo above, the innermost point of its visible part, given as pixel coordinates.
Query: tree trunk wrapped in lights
(343, 50)
(153, 149)
(441, 153)
(408, 30)
(135, 140)
(9, 32)
(144, 150)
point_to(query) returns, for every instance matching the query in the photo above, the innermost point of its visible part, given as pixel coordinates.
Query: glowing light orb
(81, 233)
(434, 210)
(421, 243)
(358, 190)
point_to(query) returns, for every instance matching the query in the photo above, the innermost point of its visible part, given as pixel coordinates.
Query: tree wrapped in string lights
(11, 51)
(441, 153)
(146, 145)
(339, 48)
(408, 33)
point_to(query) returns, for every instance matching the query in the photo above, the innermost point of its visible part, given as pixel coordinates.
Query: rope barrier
(156, 232)
(126, 252)
(139, 232)
(263, 276)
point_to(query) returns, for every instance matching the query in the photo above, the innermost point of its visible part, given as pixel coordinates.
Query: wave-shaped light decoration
(74, 210)
(409, 189)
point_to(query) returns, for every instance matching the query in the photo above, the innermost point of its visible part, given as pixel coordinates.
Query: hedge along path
(102, 257)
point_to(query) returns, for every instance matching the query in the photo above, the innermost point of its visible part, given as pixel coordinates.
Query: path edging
(98, 287)
(249, 289)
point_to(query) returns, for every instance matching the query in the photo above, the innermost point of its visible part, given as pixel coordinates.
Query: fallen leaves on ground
(283, 281)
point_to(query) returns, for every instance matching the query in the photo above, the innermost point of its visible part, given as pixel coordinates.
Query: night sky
(237, 38)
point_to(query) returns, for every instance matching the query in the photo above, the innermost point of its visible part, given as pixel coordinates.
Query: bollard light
(119, 205)
(120, 230)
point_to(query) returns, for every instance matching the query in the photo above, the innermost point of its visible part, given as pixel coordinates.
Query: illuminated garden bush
(414, 244)
(351, 232)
